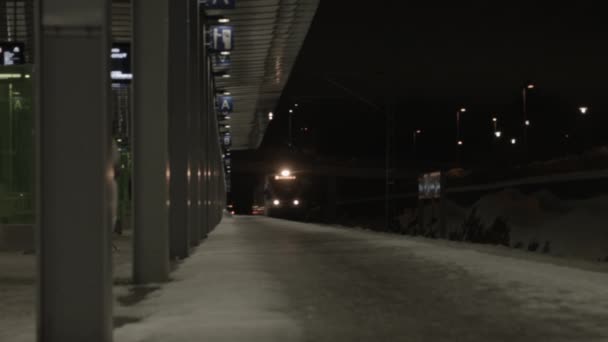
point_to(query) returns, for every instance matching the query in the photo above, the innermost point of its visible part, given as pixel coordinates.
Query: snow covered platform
(258, 279)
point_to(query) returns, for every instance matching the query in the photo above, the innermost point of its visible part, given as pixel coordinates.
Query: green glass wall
(16, 145)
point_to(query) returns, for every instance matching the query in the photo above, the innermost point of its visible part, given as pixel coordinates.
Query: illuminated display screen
(121, 63)
(11, 53)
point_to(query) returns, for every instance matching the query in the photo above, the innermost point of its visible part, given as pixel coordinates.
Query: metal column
(194, 95)
(207, 139)
(204, 109)
(178, 128)
(74, 230)
(151, 163)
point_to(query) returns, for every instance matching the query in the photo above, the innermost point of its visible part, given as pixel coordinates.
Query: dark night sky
(428, 58)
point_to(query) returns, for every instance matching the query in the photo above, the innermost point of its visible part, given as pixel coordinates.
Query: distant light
(226, 76)
(223, 21)
(418, 131)
(567, 136)
(462, 110)
(291, 111)
(498, 134)
(296, 202)
(286, 173)
(227, 126)
(460, 142)
(119, 140)
(527, 122)
(225, 53)
(296, 105)
(513, 141)
(494, 119)
(530, 86)
(583, 110)
(270, 115)
(276, 202)
(228, 117)
(227, 93)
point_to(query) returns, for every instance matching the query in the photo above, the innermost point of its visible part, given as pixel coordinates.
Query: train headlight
(286, 173)
(296, 202)
(276, 202)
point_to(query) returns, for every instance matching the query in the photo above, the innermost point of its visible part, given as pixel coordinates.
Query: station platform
(262, 279)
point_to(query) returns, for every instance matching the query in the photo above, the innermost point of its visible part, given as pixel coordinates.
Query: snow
(17, 297)
(574, 228)
(219, 294)
(259, 279)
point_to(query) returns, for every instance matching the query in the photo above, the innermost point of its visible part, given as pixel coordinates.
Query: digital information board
(121, 63)
(11, 53)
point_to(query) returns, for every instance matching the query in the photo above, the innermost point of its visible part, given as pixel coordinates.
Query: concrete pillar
(194, 95)
(74, 172)
(151, 141)
(178, 128)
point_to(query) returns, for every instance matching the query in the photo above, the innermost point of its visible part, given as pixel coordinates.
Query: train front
(284, 195)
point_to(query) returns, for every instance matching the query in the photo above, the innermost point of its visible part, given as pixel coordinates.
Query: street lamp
(526, 122)
(415, 136)
(513, 141)
(498, 134)
(290, 123)
(460, 111)
(585, 128)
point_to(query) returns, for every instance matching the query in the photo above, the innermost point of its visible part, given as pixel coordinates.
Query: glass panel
(16, 145)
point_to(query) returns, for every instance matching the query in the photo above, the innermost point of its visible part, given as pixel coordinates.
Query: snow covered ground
(573, 228)
(259, 279)
(17, 290)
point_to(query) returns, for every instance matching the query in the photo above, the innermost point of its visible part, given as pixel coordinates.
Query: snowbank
(574, 228)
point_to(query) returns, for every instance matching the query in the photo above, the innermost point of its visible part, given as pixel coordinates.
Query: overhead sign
(219, 4)
(225, 104)
(429, 186)
(227, 140)
(222, 61)
(11, 53)
(222, 38)
(121, 63)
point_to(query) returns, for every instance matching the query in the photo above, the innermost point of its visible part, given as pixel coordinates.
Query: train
(286, 195)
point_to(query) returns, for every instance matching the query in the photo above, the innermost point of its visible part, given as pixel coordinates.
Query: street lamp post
(459, 141)
(526, 122)
(290, 133)
(414, 140)
(585, 130)
(458, 135)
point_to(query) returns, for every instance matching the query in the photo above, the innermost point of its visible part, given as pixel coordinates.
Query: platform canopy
(268, 35)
